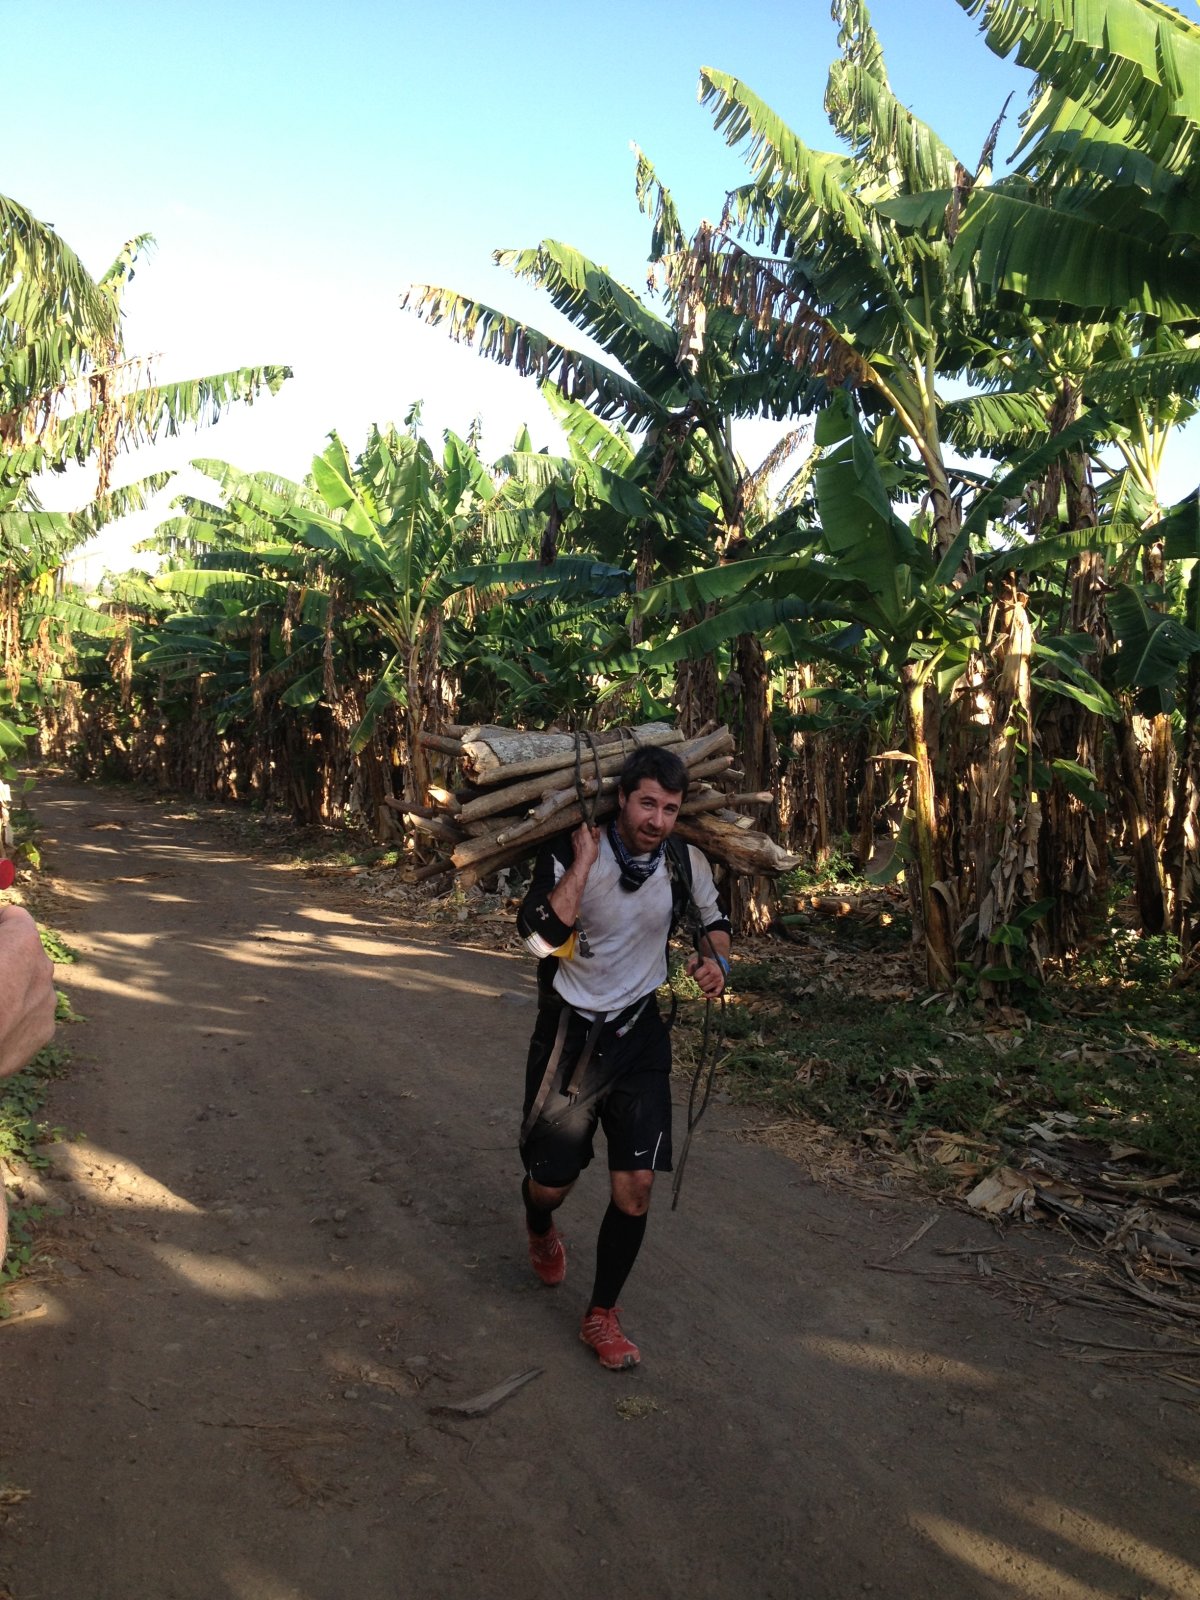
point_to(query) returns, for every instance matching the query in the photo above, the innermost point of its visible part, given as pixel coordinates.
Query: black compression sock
(537, 1218)
(617, 1247)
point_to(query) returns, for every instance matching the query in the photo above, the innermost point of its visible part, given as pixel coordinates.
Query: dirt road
(291, 1229)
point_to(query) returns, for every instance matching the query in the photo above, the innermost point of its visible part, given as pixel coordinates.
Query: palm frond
(655, 201)
(1133, 63)
(589, 439)
(514, 344)
(51, 282)
(1155, 375)
(1063, 262)
(993, 422)
(603, 308)
(756, 290)
(900, 149)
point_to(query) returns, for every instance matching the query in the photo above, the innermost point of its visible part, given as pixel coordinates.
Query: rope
(708, 1060)
(694, 1116)
(587, 803)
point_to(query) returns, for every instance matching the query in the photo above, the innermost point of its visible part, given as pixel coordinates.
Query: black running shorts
(626, 1088)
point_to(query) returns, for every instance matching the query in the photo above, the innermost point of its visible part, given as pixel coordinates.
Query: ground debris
(634, 1407)
(482, 1405)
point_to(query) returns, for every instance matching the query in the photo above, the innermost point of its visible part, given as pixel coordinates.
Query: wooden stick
(565, 797)
(410, 807)
(437, 828)
(712, 768)
(558, 798)
(488, 827)
(438, 741)
(436, 869)
(509, 797)
(482, 1405)
(473, 851)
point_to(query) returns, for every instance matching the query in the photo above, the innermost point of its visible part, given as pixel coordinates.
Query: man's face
(647, 815)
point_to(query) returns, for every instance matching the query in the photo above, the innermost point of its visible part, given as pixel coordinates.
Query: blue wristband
(722, 963)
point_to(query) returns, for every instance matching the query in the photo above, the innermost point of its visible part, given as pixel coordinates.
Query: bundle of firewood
(519, 789)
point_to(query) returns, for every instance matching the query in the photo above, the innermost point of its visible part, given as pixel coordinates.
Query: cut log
(440, 828)
(704, 799)
(485, 827)
(696, 754)
(509, 796)
(526, 788)
(496, 755)
(558, 798)
(747, 852)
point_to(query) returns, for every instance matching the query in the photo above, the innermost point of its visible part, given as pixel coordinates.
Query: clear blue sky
(299, 163)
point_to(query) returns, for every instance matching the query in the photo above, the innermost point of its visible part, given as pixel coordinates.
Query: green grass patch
(23, 1133)
(1112, 1047)
(23, 1136)
(836, 867)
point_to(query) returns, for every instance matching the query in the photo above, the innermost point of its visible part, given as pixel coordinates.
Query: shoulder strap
(679, 870)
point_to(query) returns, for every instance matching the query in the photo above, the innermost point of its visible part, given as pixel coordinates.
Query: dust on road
(291, 1230)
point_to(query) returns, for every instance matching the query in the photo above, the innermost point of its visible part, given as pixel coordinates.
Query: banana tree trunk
(805, 781)
(1005, 816)
(1073, 844)
(932, 889)
(696, 689)
(418, 772)
(752, 900)
(1181, 850)
(1151, 898)
(947, 520)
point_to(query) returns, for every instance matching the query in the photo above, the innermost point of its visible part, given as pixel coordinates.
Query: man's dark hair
(660, 765)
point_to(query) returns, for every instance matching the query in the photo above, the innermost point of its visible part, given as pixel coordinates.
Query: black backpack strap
(679, 870)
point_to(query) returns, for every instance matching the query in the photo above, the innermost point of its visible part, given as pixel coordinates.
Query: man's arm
(710, 965)
(27, 999)
(568, 891)
(546, 920)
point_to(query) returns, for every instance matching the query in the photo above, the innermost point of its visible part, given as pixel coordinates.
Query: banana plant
(69, 393)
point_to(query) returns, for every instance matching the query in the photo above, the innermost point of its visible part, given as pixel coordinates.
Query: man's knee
(631, 1192)
(546, 1197)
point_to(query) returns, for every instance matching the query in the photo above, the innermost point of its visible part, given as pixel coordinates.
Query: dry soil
(290, 1231)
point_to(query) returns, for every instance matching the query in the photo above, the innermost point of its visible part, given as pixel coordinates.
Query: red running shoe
(601, 1329)
(548, 1256)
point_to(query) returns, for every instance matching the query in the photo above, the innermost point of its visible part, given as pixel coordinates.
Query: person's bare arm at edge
(567, 893)
(27, 999)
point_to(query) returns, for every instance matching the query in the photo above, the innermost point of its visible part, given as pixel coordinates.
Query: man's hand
(564, 898)
(585, 842)
(708, 973)
(27, 998)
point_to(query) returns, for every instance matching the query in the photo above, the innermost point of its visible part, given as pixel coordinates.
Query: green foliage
(56, 947)
(1111, 1043)
(1127, 963)
(22, 1137)
(836, 866)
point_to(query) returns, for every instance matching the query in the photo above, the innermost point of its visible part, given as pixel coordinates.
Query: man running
(599, 912)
